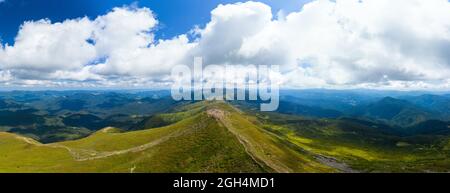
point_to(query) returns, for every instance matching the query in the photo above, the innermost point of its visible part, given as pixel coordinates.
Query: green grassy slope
(361, 147)
(195, 144)
(217, 137)
(204, 137)
(268, 149)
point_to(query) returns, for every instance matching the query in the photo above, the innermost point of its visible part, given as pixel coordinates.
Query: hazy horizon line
(115, 89)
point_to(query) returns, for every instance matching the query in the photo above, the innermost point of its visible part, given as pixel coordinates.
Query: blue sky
(175, 16)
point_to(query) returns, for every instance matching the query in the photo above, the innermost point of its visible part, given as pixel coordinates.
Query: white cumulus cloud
(343, 43)
(398, 44)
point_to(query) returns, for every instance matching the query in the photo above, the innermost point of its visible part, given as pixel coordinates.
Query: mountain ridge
(217, 136)
(206, 129)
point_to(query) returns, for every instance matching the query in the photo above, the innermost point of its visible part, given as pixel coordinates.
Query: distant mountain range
(397, 112)
(51, 116)
(401, 111)
(146, 131)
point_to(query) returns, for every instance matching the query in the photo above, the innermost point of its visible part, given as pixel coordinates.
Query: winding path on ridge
(87, 155)
(220, 116)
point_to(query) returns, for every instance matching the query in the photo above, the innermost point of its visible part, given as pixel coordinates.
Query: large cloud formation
(400, 44)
